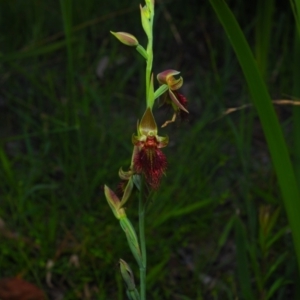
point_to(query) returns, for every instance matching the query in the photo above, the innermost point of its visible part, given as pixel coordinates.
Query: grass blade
(263, 33)
(48, 49)
(273, 133)
(296, 90)
(242, 260)
(177, 212)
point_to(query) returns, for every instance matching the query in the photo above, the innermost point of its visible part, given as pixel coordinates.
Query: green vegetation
(219, 227)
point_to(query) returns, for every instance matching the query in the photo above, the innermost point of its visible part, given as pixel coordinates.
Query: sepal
(167, 77)
(125, 175)
(147, 126)
(162, 76)
(176, 102)
(127, 192)
(114, 203)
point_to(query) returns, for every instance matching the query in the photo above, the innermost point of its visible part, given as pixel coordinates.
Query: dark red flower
(183, 101)
(151, 162)
(171, 96)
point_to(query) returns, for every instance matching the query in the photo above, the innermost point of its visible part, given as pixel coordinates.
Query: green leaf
(275, 237)
(156, 272)
(142, 51)
(275, 265)
(276, 285)
(34, 52)
(162, 89)
(263, 31)
(181, 211)
(255, 265)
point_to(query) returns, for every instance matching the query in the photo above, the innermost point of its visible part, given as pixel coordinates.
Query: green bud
(127, 275)
(145, 17)
(133, 295)
(150, 5)
(126, 38)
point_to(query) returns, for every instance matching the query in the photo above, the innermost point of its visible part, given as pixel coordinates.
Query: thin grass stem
(296, 93)
(71, 109)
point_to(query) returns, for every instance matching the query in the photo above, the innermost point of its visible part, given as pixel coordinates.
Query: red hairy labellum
(151, 162)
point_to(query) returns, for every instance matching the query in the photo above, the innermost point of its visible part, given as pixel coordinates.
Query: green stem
(142, 243)
(148, 71)
(149, 61)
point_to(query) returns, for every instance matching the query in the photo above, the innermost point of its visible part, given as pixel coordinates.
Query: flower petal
(125, 175)
(114, 203)
(151, 162)
(138, 140)
(170, 121)
(165, 75)
(175, 84)
(162, 141)
(177, 102)
(127, 192)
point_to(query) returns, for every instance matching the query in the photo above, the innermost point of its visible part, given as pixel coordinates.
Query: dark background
(70, 96)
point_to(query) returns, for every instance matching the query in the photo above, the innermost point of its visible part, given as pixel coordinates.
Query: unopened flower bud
(127, 274)
(126, 38)
(145, 18)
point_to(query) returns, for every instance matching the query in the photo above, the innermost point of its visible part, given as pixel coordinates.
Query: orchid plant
(148, 162)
